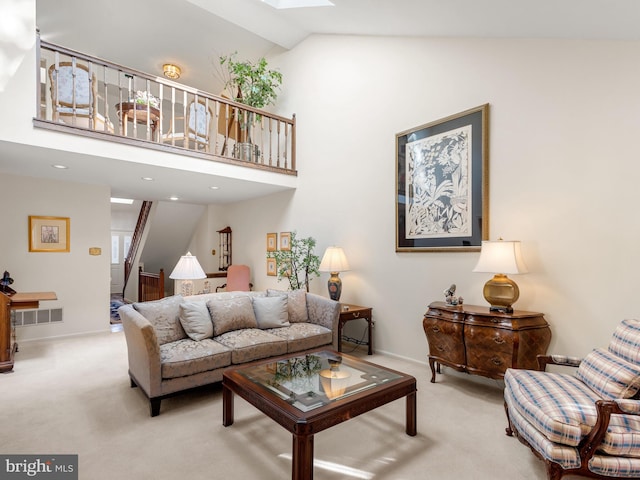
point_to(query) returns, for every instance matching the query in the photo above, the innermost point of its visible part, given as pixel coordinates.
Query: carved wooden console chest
(472, 339)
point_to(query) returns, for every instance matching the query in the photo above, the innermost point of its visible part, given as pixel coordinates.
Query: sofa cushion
(608, 375)
(187, 357)
(271, 312)
(196, 320)
(164, 315)
(231, 314)
(297, 304)
(564, 455)
(626, 341)
(303, 336)
(252, 344)
(562, 408)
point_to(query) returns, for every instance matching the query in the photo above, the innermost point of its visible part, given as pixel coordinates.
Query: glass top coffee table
(308, 393)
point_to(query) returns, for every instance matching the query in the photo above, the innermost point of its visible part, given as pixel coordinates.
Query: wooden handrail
(143, 216)
(269, 145)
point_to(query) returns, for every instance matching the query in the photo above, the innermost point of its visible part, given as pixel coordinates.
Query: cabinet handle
(495, 320)
(496, 361)
(439, 348)
(435, 329)
(499, 340)
(356, 314)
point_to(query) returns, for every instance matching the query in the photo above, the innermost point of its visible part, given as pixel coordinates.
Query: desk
(353, 312)
(8, 344)
(127, 110)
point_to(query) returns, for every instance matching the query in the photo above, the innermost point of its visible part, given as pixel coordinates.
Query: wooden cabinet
(475, 340)
(8, 345)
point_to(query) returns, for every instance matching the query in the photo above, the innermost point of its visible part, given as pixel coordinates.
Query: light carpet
(72, 396)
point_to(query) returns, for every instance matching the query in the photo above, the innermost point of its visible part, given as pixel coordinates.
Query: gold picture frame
(272, 270)
(272, 242)
(285, 241)
(49, 234)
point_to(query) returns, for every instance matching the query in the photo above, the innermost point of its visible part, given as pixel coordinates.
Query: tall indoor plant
(252, 84)
(299, 264)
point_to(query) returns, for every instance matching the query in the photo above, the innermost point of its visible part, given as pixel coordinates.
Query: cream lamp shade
(501, 257)
(187, 269)
(334, 261)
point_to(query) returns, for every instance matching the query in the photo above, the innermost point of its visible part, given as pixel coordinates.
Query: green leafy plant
(298, 265)
(250, 83)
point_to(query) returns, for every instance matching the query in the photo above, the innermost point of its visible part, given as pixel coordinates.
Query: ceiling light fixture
(171, 71)
(174, 198)
(125, 201)
(147, 179)
(60, 167)
(214, 188)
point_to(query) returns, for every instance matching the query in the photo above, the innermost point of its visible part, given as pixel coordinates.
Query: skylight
(282, 4)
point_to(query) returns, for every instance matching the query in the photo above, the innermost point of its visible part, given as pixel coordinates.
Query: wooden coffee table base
(303, 425)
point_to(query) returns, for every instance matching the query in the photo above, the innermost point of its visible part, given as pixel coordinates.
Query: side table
(353, 312)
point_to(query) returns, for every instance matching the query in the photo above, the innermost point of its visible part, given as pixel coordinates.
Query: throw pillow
(271, 312)
(231, 314)
(196, 321)
(164, 315)
(609, 375)
(626, 341)
(297, 304)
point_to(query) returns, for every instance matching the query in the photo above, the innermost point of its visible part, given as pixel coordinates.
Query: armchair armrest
(604, 409)
(563, 360)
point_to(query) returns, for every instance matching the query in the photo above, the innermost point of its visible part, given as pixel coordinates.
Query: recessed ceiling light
(214, 188)
(147, 179)
(126, 201)
(174, 198)
(61, 167)
(282, 4)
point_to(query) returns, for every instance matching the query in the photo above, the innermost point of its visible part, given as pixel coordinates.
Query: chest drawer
(445, 339)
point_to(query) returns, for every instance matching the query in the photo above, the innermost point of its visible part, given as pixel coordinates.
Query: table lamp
(186, 270)
(334, 261)
(501, 257)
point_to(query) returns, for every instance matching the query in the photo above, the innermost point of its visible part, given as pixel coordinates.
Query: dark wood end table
(349, 312)
(308, 393)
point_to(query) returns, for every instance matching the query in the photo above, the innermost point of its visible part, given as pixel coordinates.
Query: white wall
(80, 280)
(563, 175)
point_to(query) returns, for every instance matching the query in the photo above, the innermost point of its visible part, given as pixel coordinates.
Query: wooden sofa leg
(154, 406)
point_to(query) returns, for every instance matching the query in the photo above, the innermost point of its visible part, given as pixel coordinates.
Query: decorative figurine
(5, 282)
(450, 297)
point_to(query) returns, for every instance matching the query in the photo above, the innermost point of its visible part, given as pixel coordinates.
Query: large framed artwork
(442, 184)
(48, 234)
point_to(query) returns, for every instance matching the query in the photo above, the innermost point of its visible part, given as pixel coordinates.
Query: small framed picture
(48, 234)
(285, 241)
(272, 242)
(271, 267)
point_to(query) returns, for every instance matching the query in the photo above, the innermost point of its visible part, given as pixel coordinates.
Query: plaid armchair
(587, 423)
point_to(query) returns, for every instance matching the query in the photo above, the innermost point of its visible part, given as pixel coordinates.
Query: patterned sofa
(587, 423)
(179, 342)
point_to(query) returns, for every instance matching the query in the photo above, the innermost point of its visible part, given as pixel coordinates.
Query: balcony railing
(94, 97)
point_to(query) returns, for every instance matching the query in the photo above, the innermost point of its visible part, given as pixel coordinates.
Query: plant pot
(246, 151)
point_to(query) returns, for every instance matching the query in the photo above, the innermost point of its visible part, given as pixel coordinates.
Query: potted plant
(251, 84)
(299, 264)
